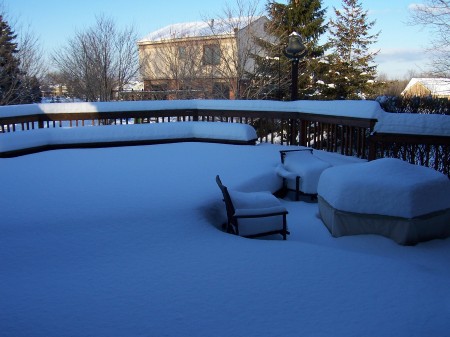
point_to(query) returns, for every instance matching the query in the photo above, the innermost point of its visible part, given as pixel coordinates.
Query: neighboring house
(54, 90)
(53, 93)
(132, 91)
(201, 59)
(428, 87)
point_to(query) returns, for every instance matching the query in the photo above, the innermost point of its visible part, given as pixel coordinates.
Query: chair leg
(230, 228)
(297, 188)
(284, 227)
(283, 191)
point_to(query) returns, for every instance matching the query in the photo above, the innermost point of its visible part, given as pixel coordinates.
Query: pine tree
(9, 64)
(16, 87)
(353, 73)
(30, 90)
(307, 18)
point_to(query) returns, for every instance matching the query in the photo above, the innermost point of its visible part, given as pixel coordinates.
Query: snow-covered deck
(124, 242)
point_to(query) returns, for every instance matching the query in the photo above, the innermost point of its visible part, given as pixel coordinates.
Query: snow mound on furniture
(308, 167)
(122, 133)
(380, 186)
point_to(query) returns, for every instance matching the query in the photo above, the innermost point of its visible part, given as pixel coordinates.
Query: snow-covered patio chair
(253, 214)
(301, 171)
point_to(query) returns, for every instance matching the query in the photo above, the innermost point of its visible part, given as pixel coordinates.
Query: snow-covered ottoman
(389, 197)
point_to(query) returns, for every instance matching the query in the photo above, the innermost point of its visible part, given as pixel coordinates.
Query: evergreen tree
(9, 64)
(31, 90)
(307, 18)
(15, 86)
(353, 73)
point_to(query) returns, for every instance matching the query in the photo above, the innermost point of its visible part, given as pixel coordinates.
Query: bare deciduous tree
(238, 62)
(31, 55)
(435, 15)
(98, 60)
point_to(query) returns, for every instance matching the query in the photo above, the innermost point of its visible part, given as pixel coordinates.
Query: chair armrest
(284, 152)
(259, 212)
(297, 150)
(283, 173)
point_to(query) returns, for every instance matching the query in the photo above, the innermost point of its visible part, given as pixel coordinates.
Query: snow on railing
(333, 125)
(422, 139)
(346, 127)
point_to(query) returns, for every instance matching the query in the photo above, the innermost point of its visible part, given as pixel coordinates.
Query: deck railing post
(292, 134)
(372, 148)
(303, 130)
(195, 115)
(40, 122)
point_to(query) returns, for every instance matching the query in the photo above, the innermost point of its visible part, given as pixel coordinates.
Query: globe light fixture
(295, 51)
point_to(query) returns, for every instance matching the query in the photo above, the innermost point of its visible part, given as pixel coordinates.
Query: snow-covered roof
(134, 85)
(437, 86)
(199, 29)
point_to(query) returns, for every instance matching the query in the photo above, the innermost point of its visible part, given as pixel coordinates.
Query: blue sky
(402, 47)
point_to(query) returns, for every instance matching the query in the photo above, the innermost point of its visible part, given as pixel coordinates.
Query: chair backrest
(226, 198)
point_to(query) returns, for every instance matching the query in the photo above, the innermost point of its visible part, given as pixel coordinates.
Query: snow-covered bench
(25, 142)
(407, 203)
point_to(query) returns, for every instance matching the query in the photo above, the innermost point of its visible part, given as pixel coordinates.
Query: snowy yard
(125, 242)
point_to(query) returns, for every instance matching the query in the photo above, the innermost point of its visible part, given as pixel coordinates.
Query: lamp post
(294, 51)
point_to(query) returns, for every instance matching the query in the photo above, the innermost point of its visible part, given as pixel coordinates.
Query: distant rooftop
(199, 29)
(437, 86)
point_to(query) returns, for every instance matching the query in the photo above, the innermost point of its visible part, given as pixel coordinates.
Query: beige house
(200, 59)
(428, 87)
(54, 91)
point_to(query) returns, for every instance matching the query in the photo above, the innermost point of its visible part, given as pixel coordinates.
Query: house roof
(199, 29)
(437, 86)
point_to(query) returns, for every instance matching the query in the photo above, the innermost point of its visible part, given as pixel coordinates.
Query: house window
(211, 54)
(221, 91)
(181, 53)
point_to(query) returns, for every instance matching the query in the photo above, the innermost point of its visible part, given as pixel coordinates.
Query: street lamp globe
(295, 47)
(295, 50)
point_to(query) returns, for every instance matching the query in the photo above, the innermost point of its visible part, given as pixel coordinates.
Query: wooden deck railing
(345, 135)
(431, 151)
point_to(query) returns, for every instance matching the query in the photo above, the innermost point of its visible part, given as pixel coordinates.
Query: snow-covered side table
(389, 197)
